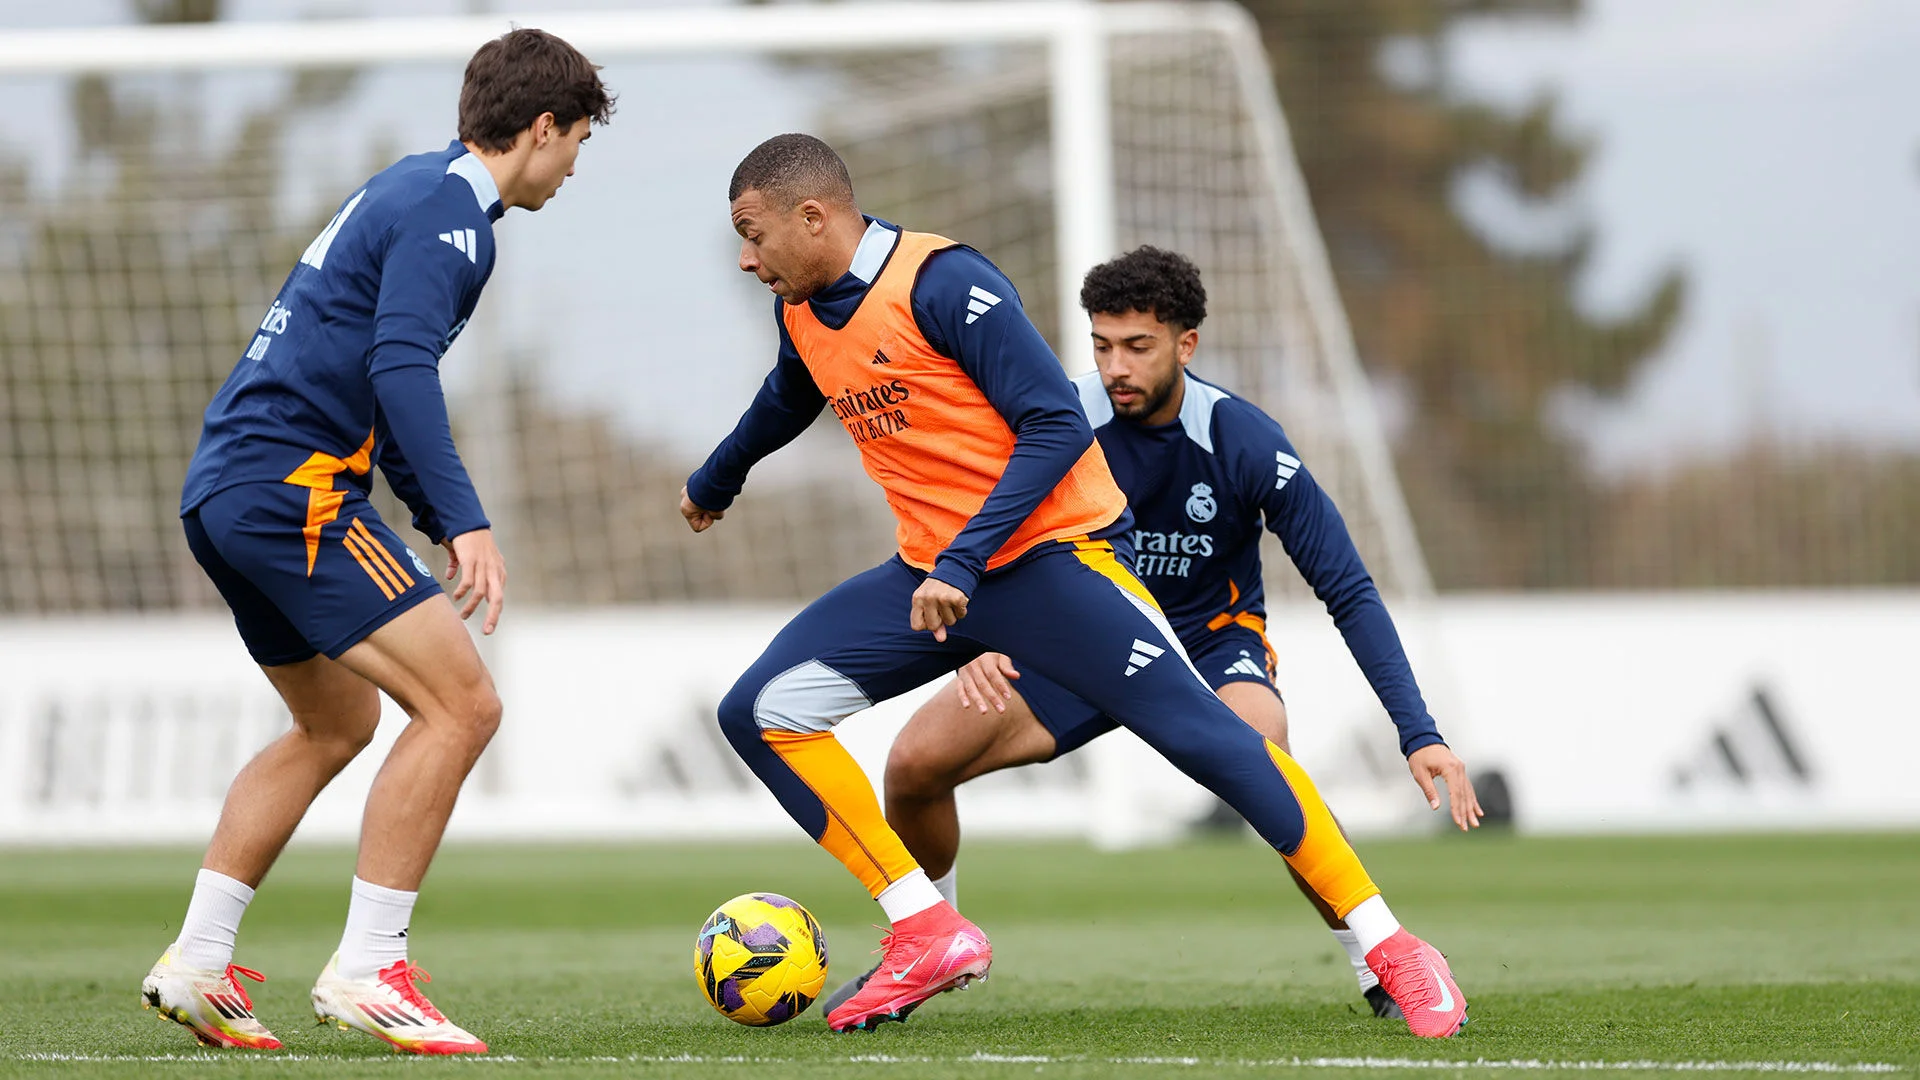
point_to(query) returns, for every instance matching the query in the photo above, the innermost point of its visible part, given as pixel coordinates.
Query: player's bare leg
(335, 713)
(1259, 706)
(426, 662)
(196, 983)
(945, 745)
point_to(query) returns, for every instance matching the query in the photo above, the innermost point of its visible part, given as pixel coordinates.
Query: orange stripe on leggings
(348, 542)
(1098, 554)
(857, 832)
(1324, 858)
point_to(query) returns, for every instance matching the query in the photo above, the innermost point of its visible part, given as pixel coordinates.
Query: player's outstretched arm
(787, 404)
(1309, 526)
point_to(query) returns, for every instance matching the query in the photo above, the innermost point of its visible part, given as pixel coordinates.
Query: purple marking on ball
(782, 1010)
(730, 998)
(706, 948)
(764, 936)
(775, 900)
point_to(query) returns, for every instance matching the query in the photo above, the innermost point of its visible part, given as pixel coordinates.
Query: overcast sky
(1771, 147)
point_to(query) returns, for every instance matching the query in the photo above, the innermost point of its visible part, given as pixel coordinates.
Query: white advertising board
(1632, 713)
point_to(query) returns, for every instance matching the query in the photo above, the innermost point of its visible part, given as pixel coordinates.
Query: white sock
(949, 888)
(1357, 956)
(1371, 923)
(212, 922)
(376, 936)
(909, 896)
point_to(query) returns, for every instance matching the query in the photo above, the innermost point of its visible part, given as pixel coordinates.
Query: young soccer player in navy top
(342, 376)
(1013, 537)
(1202, 471)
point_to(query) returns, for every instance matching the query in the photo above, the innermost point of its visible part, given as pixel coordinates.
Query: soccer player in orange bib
(1203, 470)
(1013, 538)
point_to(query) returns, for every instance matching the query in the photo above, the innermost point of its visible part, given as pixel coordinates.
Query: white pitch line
(1508, 1064)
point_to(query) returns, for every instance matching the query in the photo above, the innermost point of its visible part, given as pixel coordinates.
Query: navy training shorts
(1233, 653)
(306, 572)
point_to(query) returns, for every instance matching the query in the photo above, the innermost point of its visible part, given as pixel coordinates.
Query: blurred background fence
(1631, 287)
(147, 220)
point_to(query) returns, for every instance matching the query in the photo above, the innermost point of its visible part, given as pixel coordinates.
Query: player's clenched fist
(936, 606)
(698, 518)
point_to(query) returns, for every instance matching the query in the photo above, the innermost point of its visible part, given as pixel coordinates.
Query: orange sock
(857, 832)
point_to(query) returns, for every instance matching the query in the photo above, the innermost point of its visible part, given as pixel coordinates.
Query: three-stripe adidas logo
(1245, 666)
(230, 1006)
(1144, 653)
(880, 357)
(979, 302)
(371, 553)
(390, 1016)
(464, 242)
(1285, 465)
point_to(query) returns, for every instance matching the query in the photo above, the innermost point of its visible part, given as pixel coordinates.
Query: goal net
(156, 183)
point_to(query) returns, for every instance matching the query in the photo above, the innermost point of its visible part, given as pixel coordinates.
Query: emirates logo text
(873, 413)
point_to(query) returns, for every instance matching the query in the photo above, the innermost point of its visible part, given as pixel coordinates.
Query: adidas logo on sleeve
(979, 302)
(464, 242)
(1285, 465)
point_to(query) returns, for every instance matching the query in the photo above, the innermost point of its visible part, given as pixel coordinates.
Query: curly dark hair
(1148, 278)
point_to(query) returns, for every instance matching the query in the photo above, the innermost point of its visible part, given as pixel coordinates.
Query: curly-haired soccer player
(343, 376)
(1013, 538)
(1202, 471)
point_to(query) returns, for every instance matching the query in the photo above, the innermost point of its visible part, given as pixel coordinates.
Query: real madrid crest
(1200, 504)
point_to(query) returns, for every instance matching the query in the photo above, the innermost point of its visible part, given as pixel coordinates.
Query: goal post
(1051, 135)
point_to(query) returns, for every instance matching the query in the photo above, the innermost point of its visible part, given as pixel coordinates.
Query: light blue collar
(872, 253)
(470, 168)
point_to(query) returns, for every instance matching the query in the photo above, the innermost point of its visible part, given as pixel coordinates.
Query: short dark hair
(790, 168)
(1165, 283)
(517, 76)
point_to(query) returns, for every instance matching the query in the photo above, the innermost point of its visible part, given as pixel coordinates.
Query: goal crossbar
(338, 42)
(1074, 32)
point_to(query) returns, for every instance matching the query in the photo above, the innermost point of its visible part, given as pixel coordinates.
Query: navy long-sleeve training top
(345, 367)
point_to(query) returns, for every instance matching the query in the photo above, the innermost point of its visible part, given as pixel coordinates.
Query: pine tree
(1478, 336)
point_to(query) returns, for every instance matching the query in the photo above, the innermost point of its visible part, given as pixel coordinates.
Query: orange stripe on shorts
(377, 573)
(373, 542)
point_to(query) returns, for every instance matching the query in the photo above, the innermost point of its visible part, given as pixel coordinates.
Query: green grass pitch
(1724, 953)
